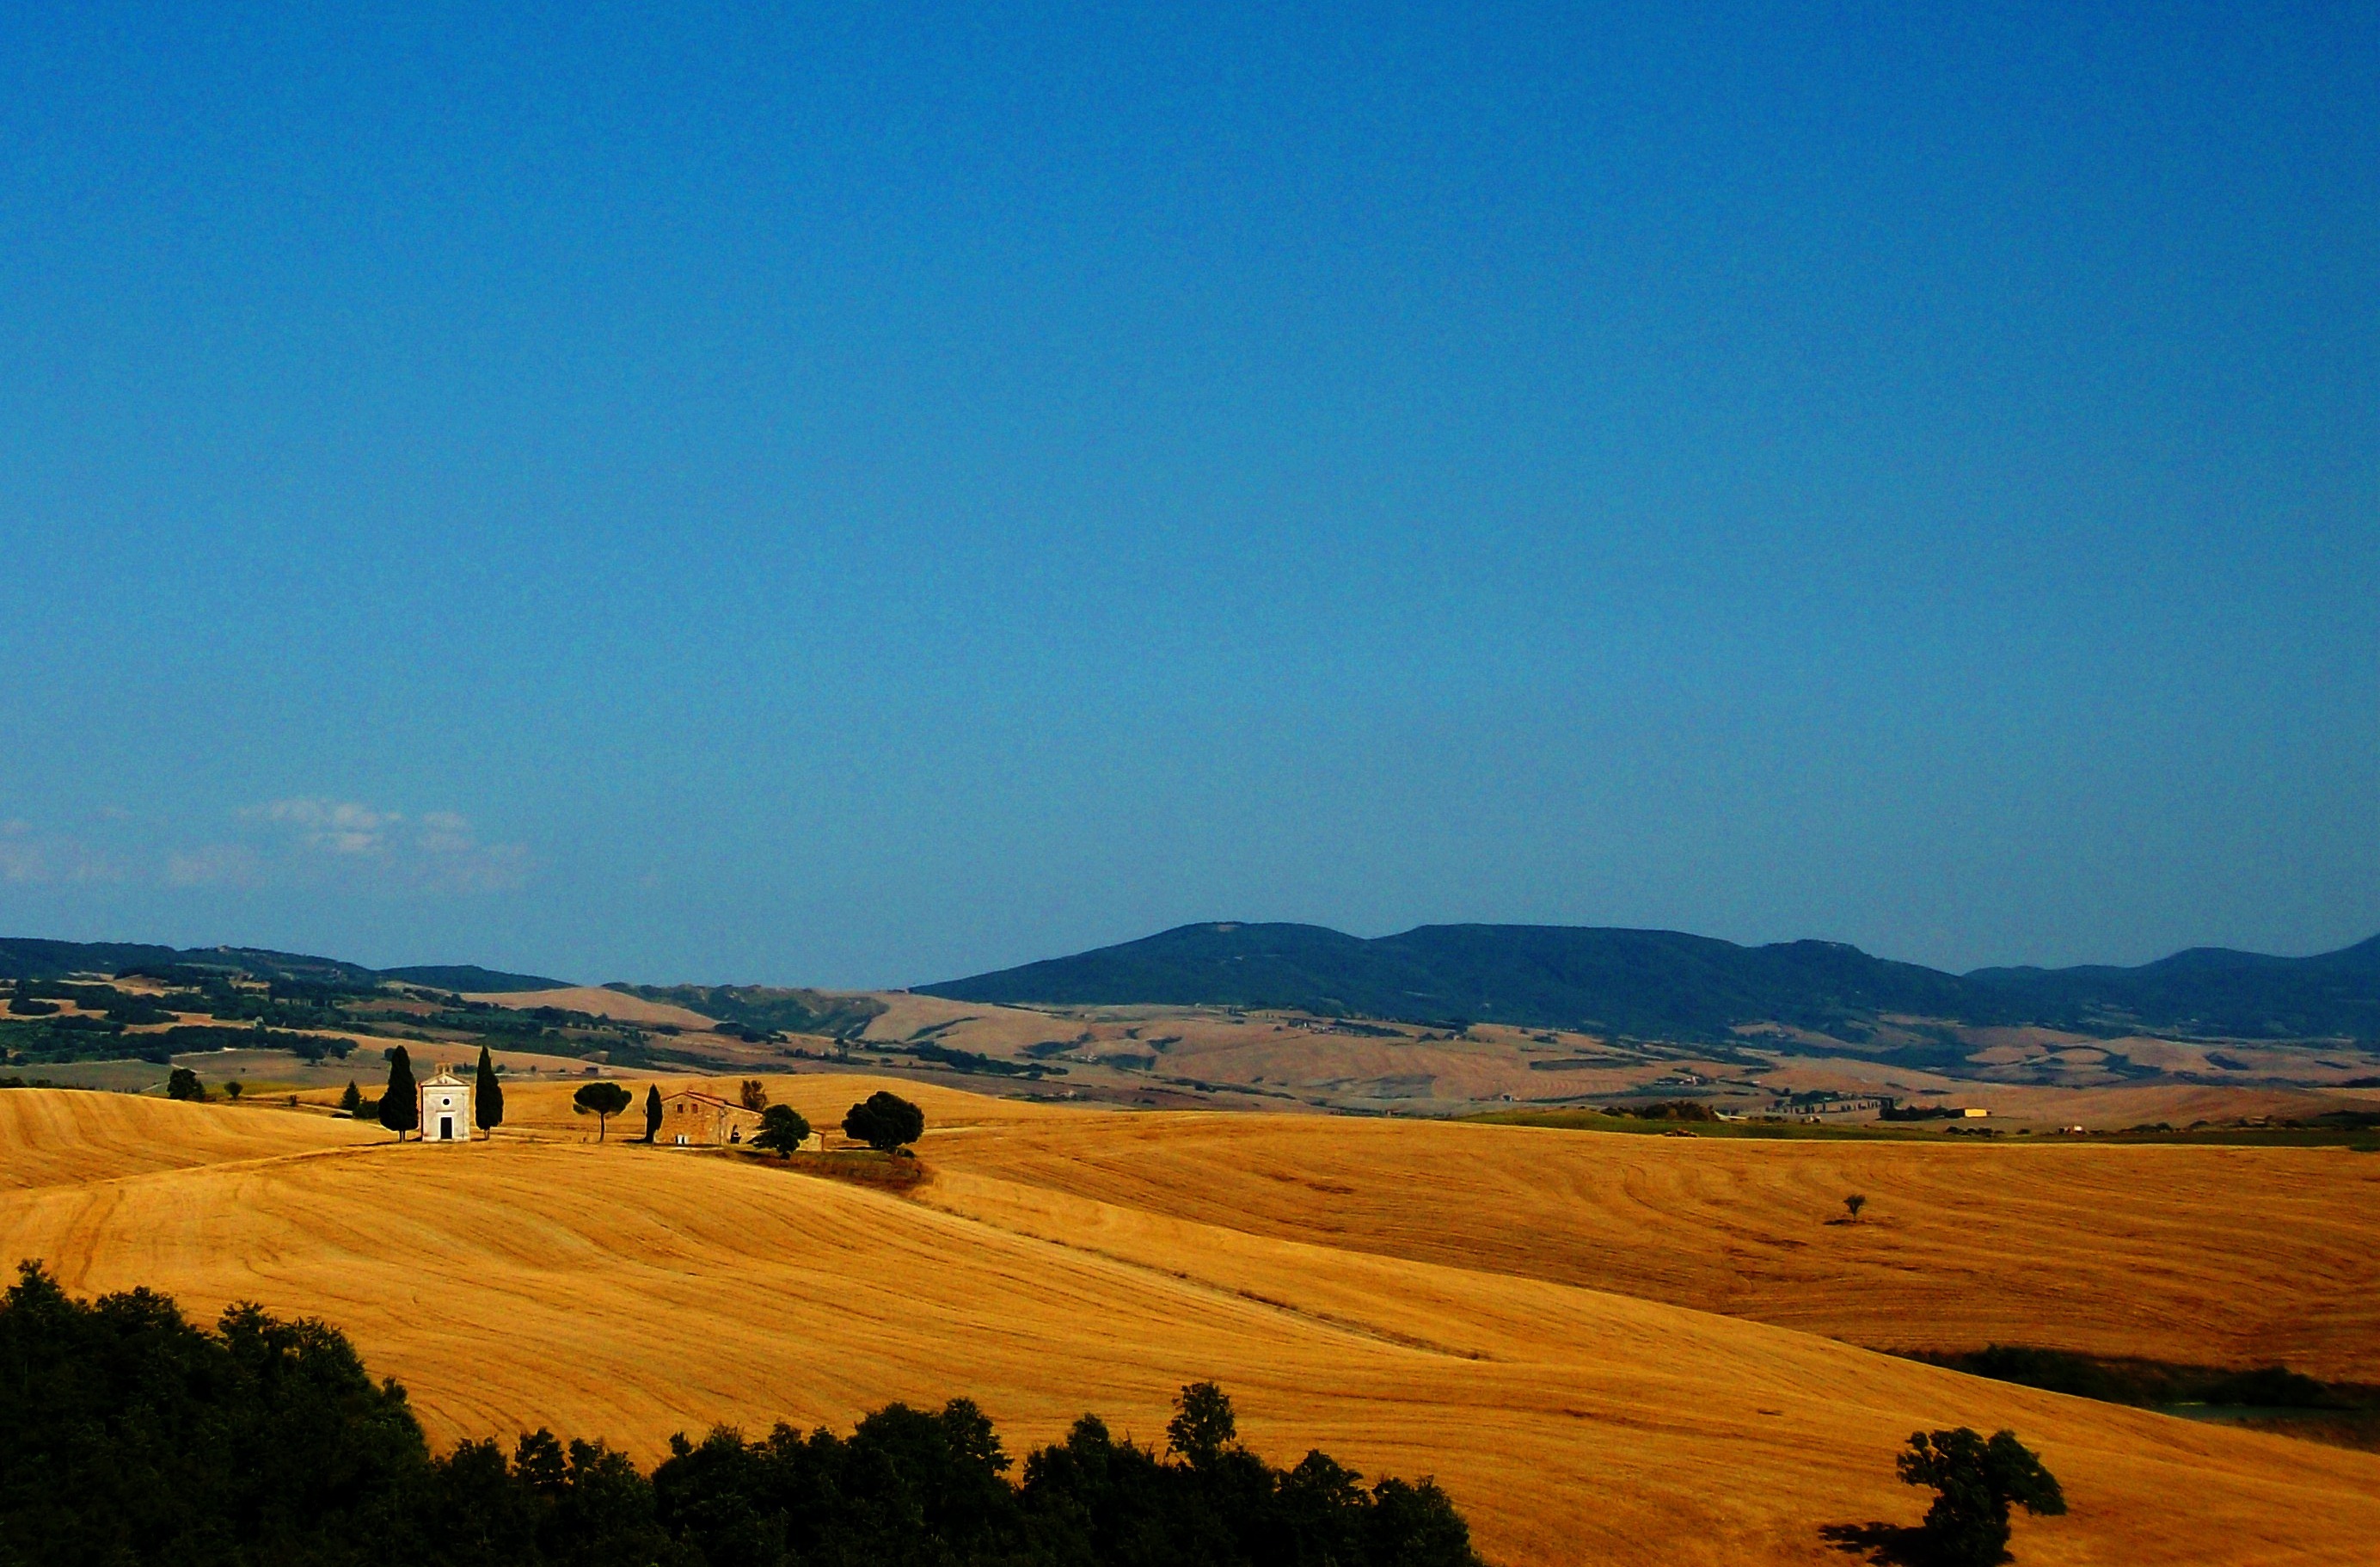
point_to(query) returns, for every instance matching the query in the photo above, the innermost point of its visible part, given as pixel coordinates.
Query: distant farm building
(445, 1109)
(691, 1118)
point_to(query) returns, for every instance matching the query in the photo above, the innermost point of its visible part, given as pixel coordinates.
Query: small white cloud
(486, 868)
(339, 827)
(435, 852)
(442, 832)
(215, 865)
(455, 860)
(33, 859)
(34, 864)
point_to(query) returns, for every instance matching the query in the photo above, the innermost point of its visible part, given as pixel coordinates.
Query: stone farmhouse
(691, 1118)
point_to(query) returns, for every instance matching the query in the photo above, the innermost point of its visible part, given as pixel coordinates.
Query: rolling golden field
(2211, 1255)
(601, 1003)
(1607, 1349)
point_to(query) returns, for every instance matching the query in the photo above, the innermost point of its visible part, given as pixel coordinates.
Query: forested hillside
(1667, 984)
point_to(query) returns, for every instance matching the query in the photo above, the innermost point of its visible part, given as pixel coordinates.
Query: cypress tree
(352, 1101)
(400, 1106)
(487, 1095)
(652, 1112)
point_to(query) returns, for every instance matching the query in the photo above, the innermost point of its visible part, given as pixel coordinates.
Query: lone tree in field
(400, 1107)
(353, 1100)
(652, 1110)
(782, 1130)
(884, 1121)
(235, 1087)
(183, 1084)
(601, 1100)
(1853, 1203)
(1203, 1427)
(753, 1097)
(1976, 1482)
(487, 1095)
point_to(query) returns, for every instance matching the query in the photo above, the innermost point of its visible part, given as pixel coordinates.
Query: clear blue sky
(676, 493)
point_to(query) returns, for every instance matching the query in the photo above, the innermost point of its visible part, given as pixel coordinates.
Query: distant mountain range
(1664, 984)
(28, 958)
(1639, 984)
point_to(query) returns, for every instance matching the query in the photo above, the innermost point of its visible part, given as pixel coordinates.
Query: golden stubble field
(2212, 1255)
(1066, 1260)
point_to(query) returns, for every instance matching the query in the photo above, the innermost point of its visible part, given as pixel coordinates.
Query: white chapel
(445, 1109)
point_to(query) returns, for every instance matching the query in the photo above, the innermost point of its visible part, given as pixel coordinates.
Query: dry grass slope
(633, 1291)
(2225, 1256)
(598, 1001)
(62, 1139)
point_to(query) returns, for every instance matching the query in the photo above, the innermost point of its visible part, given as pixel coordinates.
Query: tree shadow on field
(1893, 1545)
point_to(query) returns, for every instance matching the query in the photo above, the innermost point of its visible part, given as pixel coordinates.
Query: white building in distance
(445, 1109)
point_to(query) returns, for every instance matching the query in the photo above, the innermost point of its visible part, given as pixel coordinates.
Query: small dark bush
(1976, 1482)
(885, 1122)
(782, 1130)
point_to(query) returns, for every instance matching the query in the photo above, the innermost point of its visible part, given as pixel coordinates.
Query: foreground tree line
(129, 1435)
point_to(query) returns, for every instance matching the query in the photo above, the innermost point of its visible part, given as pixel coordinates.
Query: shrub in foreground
(129, 1435)
(1975, 1482)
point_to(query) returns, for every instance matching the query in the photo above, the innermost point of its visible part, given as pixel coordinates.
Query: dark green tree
(884, 1121)
(267, 1441)
(601, 1100)
(400, 1102)
(23, 1005)
(1976, 1482)
(353, 1098)
(183, 1084)
(652, 1112)
(235, 1087)
(487, 1095)
(1203, 1427)
(782, 1130)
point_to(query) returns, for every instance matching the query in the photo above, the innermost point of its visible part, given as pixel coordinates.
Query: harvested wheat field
(599, 1001)
(2223, 1256)
(1062, 1261)
(52, 1138)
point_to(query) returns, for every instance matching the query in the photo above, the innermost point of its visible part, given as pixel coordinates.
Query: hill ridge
(1651, 983)
(40, 958)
